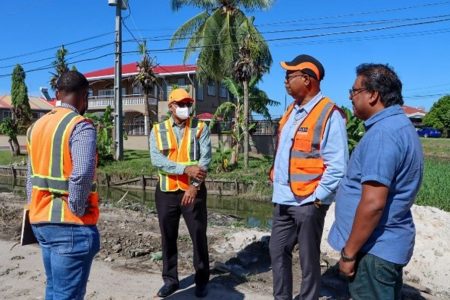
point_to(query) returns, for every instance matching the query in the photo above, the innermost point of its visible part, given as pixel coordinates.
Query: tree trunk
(15, 147)
(146, 115)
(245, 123)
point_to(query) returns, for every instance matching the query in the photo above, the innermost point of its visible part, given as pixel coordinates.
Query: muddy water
(249, 212)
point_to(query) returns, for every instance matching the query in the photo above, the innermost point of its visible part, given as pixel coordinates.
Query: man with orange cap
(180, 147)
(310, 161)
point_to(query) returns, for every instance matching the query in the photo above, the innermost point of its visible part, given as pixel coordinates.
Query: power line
(56, 47)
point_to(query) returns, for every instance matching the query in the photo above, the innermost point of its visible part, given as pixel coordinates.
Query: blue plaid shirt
(83, 142)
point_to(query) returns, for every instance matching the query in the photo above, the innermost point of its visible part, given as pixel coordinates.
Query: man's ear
(58, 95)
(374, 97)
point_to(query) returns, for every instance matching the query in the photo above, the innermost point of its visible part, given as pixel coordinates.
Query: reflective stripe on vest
(187, 153)
(306, 165)
(51, 166)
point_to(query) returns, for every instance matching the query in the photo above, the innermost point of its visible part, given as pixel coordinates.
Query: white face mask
(182, 112)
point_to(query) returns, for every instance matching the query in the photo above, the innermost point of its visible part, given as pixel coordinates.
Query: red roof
(413, 111)
(36, 103)
(131, 69)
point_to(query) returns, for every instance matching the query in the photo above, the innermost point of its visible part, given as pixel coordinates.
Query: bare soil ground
(129, 263)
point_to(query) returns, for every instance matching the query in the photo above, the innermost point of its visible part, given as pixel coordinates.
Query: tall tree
(20, 110)
(214, 33)
(229, 44)
(254, 60)
(146, 78)
(61, 66)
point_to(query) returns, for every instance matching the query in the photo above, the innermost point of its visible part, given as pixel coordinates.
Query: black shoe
(167, 289)
(201, 291)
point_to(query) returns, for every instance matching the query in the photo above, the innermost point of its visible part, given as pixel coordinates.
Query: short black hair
(72, 82)
(382, 79)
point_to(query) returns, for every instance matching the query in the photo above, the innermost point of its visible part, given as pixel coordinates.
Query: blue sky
(412, 36)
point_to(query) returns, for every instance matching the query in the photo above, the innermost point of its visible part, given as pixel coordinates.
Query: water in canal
(252, 213)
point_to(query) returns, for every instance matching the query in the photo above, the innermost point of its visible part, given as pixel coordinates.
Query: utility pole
(118, 118)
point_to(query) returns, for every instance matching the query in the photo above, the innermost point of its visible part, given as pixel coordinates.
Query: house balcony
(128, 102)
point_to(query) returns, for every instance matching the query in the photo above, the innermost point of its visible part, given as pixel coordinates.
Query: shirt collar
(383, 114)
(310, 105)
(66, 105)
(172, 122)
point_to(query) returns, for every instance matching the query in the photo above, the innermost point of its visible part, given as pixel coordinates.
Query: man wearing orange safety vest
(63, 202)
(180, 147)
(310, 160)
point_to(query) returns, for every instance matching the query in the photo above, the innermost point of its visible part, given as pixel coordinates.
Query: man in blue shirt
(310, 160)
(374, 228)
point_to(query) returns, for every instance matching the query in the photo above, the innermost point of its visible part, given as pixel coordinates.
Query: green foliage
(216, 33)
(8, 127)
(439, 115)
(21, 111)
(221, 158)
(355, 129)
(105, 142)
(61, 66)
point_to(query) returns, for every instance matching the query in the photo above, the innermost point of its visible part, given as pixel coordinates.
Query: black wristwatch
(346, 258)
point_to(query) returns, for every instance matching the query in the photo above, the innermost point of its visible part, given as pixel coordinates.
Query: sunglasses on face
(184, 104)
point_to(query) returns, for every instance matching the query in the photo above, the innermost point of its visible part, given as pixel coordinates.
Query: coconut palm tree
(213, 32)
(253, 61)
(146, 78)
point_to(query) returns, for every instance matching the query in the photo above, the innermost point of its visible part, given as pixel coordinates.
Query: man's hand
(347, 268)
(195, 172)
(189, 196)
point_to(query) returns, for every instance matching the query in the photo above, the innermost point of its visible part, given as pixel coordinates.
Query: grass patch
(7, 159)
(135, 163)
(436, 147)
(435, 189)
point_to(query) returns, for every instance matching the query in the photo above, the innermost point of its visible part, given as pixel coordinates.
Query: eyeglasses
(184, 104)
(293, 75)
(353, 92)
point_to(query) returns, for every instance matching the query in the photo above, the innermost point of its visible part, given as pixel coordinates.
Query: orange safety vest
(187, 153)
(306, 165)
(51, 166)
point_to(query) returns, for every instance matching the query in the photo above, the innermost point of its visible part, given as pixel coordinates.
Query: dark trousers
(169, 208)
(376, 278)
(292, 225)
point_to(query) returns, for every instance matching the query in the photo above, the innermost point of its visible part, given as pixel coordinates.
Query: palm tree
(229, 44)
(214, 33)
(146, 78)
(254, 60)
(258, 102)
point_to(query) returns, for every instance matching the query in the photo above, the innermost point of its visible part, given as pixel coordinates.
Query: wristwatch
(346, 258)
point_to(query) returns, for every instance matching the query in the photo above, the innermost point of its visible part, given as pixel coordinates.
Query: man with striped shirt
(62, 197)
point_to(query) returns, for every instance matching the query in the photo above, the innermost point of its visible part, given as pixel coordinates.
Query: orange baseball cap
(178, 95)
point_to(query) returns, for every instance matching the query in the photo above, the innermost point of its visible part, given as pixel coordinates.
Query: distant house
(208, 96)
(38, 105)
(416, 115)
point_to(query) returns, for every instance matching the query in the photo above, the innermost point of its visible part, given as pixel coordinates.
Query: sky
(411, 36)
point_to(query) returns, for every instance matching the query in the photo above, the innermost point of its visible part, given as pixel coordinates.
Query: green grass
(436, 147)
(7, 159)
(435, 189)
(135, 163)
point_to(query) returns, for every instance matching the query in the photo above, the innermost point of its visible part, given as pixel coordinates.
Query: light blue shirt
(389, 153)
(165, 164)
(333, 150)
